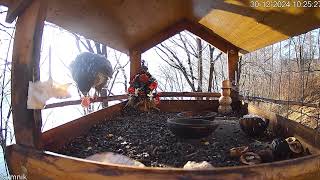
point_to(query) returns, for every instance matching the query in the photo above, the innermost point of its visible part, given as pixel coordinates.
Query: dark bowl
(190, 128)
(206, 115)
(253, 126)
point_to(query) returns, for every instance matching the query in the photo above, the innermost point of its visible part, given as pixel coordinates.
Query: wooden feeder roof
(141, 24)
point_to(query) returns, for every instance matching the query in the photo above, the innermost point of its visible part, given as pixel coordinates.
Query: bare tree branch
(179, 65)
(104, 50)
(77, 42)
(200, 67)
(189, 58)
(7, 27)
(5, 31)
(98, 48)
(90, 49)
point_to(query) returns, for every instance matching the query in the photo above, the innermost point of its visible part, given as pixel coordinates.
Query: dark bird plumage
(91, 70)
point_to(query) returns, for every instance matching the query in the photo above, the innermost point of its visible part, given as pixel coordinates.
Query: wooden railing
(306, 109)
(283, 102)
(125, 96)
(190, 94)
(76, 102)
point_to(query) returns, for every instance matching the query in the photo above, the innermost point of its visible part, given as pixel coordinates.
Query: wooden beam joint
(208, 35)
(194, 27)
(16, 9)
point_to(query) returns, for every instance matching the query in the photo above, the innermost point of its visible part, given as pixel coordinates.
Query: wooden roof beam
(208, 35)
(161, 36)
(16, 9)
(195, 28)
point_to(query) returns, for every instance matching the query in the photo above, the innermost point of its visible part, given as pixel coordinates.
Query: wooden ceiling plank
(161, 36)
(16, 9)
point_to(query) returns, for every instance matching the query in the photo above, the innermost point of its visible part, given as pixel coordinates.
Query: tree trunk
(90, 49)
(200, 68)
(240, 71)
(211, 49)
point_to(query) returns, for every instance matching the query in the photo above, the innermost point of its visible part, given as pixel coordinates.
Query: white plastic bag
(39, 92)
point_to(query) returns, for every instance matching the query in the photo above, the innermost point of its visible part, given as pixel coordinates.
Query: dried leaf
(110, 157)
(109, 135)
(195, 165)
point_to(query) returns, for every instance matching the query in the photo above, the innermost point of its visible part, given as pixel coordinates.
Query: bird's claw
(85, 102)
(95, 98)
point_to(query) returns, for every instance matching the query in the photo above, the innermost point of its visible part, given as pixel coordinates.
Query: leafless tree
(286, 71)
(6, 126)
(183, 52)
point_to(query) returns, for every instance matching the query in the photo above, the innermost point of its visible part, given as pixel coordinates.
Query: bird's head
(83, 87)
(90, 70)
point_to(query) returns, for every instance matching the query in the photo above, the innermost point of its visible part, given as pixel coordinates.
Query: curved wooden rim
(49, 164)
(289, 162)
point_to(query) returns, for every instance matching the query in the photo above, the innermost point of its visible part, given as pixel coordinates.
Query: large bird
(91, 70)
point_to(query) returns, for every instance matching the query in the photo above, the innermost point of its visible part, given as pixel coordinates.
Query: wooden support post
(16, 9)
(135, 62)
(233, 58)
(25, 68)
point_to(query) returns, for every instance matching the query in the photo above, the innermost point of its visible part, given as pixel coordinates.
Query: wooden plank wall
(188, 105)
(285, 127)
(54, 138)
